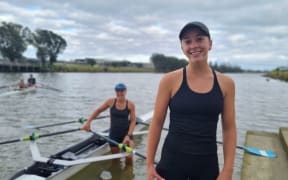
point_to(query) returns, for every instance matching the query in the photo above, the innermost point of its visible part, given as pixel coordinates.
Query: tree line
(164, 63)
(15, 38)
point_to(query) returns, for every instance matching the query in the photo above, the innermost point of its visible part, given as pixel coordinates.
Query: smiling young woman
(122, 117)
(196, 95)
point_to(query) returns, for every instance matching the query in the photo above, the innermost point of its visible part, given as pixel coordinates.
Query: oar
(1, 87)
(35, 136)
(49, 87)
(80, 120)
(259, 152)
(147, 124)
(7, 86)
(123, 147)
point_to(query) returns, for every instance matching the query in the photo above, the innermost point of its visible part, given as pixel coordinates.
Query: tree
(225, 67)
(48, 45)
(91, 61)
(13, 40)
(165, 63)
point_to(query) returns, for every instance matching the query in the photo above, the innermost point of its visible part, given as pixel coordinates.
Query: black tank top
(194, 118)
(119, 125)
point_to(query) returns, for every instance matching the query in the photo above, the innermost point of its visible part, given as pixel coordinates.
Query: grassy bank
(87, 68)
(276, 74)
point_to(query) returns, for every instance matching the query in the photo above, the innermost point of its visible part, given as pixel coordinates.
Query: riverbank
(277, 74)
(6, 66)
(88, 68)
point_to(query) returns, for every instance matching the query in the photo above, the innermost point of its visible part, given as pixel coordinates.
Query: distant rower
(31, 80)
(21, 84)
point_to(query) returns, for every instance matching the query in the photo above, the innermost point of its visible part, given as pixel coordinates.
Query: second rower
(121, 110)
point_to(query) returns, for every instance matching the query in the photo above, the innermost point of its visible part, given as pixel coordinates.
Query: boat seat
(69, 156)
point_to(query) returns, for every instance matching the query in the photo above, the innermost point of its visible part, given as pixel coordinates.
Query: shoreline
(277, 74)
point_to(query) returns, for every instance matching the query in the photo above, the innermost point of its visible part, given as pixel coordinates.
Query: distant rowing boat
(15, 91)
(93, 147)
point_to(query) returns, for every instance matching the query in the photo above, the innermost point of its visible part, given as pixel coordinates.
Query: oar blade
(259, 152)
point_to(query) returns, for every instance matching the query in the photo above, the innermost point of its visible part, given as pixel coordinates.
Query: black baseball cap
(192, 25)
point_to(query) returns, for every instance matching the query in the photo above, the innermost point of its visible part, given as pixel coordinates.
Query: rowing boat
(92, 147)
(15, 91)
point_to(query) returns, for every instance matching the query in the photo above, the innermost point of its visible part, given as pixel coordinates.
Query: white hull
(19, 91)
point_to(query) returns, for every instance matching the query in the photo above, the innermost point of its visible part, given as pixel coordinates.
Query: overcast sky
(251, 34)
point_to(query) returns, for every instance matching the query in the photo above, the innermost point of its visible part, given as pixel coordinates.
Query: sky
(249, 34)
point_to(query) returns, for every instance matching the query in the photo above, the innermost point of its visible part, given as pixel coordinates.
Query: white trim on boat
(38, 158)
(134, 133)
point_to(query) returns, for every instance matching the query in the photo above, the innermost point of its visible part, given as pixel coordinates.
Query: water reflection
(106, 170)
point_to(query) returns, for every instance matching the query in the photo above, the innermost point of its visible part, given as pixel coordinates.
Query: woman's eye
(199, 39)
(188, 41)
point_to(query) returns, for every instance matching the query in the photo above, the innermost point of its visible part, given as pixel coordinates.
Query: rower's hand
(152, 173)
(128, 141)
(86, 127)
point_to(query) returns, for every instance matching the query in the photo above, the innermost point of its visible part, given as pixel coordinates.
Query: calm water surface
(260, 105)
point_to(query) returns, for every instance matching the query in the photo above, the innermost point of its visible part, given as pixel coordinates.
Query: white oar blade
(260, 152)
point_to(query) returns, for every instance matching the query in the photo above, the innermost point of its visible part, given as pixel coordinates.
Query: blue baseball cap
(120, 86)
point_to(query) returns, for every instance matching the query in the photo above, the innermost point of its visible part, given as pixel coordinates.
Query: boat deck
(263, 168)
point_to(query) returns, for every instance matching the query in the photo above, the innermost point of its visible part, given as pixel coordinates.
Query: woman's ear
(210, 45)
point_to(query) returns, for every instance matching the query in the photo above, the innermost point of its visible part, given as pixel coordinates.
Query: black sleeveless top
(193, 119)
(119, 125)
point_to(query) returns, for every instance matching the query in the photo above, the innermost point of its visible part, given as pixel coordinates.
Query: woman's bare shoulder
(110, 101)
(171, 82)
(173, 75)
(226, 82)
(131, 104)
(224, 78)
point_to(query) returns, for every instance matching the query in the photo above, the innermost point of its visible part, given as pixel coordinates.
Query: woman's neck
(198, 69)
(121, 99)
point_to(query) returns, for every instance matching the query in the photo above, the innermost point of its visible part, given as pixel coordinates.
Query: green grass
(87, 68)
(276, 74)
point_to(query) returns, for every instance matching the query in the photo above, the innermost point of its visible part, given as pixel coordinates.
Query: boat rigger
(71, 160)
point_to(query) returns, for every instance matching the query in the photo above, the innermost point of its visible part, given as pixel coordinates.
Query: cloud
(243, 32)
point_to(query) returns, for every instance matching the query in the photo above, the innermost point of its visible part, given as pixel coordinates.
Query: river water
(261, 104)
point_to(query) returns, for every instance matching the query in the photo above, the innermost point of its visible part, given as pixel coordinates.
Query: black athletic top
(32, 81)
(193, 119)
(119, 125)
